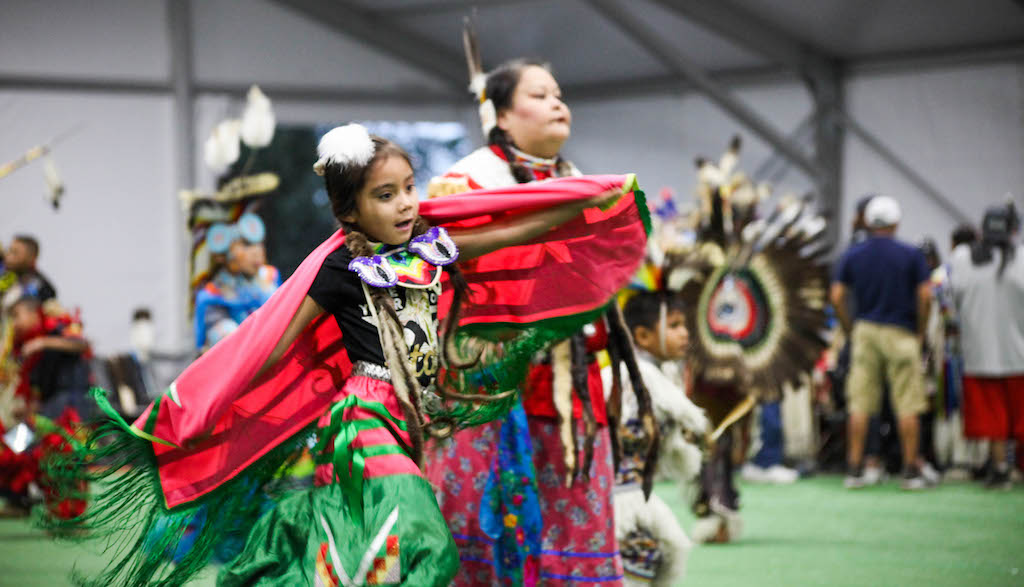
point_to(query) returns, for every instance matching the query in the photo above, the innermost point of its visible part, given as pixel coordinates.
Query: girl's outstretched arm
(480, 240)
(307, 311)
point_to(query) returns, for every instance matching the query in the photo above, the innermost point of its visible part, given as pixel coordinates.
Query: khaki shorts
(883, 352)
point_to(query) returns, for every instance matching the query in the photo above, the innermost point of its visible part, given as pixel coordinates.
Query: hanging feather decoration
(238, 195)
(471, 47)
(54, 183)
(257, 128)
(223, 146)
(478, 78)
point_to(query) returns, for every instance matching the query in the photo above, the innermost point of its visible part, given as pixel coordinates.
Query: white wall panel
(659, 137)
(962, 129)
(99, 38)
(111, 246)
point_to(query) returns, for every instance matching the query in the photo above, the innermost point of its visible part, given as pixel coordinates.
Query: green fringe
(128, 510)
(645, 212)
(505, 368)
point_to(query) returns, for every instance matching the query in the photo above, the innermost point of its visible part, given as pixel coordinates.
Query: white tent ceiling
(591, 52)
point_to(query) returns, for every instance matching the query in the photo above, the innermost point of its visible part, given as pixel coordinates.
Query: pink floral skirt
(578, 539)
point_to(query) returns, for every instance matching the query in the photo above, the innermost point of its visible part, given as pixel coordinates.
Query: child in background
(54, 358)
(652, 543)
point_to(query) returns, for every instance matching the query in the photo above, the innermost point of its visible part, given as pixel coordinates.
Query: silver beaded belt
(430, 400)
(371, 370)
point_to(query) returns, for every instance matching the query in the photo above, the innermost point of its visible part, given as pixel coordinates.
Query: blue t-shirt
(884, 275)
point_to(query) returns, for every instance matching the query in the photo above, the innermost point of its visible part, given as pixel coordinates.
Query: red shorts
(994, 407)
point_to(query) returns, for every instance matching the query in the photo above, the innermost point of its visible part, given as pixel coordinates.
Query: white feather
(258, 120)
(488, 116)
(54, 183)
(791, 209)
(344, 145)
(745, 194)
(728, 162)
(222, 148)
(709, 174)
(811, 226)
(478, 84)
(753, 230)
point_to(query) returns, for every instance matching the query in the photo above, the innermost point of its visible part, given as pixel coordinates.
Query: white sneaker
(874, 475)
(775, 474)
(914, 481)
(782, 475)
(854, 482)
(929, 473)
(753, 474)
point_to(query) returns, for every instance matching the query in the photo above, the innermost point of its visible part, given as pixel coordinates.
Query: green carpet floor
(811, 533)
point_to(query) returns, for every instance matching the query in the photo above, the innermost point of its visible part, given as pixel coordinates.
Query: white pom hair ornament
(488, 116)
(344, 145)
(257, 120)
(222, 148)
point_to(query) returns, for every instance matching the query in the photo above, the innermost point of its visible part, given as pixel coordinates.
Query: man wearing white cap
(889, 280)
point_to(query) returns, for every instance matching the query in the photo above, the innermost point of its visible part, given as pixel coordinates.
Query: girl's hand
(603, 199)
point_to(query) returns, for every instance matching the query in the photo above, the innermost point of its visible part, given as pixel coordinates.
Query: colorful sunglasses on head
(251, 228)
(220, 236)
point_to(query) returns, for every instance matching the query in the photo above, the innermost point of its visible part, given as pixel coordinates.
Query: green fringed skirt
(373, 519)
(310, 538)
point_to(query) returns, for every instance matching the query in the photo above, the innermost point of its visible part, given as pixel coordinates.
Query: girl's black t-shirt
(339, 292)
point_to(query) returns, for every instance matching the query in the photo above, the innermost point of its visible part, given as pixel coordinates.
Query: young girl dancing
(351, 342)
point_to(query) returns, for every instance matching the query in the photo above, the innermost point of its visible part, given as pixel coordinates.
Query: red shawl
(214, 420)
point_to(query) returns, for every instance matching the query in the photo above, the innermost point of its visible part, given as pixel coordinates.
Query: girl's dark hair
(997, 227)
(501, 89)
(343, 183)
